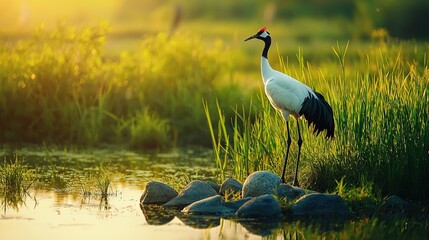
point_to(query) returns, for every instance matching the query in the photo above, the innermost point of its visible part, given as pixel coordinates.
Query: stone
(263, 207)
(260, 183)
(235, 205)
(320, 204)
(289, 192)
(194, 191)
(230, 185)
(157, 193)
(209, 206)
(214, 185)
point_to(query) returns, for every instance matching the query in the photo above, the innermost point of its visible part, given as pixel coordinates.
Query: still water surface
(58, 206)
(58, 209)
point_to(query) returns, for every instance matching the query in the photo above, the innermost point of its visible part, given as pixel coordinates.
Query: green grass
(379, 100)
(58, 87)
(15, 181)
(98, 184)
(362, 229)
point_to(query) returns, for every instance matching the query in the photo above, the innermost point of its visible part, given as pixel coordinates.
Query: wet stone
(235, 205)
(157, 193)
(260, 183)
(214, 185)
(263, 207)
(290, 192)
(230, 185)
(194, 191)
(209, 206)
(320, 204)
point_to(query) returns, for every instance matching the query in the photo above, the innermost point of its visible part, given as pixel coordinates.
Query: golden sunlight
(26, 14)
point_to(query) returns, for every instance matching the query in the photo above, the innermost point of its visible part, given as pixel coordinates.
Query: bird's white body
(284, 92)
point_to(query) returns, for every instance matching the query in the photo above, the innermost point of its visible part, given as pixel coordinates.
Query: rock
(289, 192)
(230, 185)
(209, 206)
(194, 191)
(260, 183)
(319, 204)
(395, 205)
(262, 207)
(157, 193)
(235, 205)
(214, 185)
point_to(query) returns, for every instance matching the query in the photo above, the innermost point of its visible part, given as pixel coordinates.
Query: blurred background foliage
(402, 19)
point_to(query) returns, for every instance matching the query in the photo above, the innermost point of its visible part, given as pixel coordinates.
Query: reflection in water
(157, 215)
(199, 222)
(261, 228)
(13, 199)
(103, 200)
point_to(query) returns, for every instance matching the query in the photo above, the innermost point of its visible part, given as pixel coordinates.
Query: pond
(63, 201)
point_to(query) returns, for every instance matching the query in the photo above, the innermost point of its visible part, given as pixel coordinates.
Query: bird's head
(262, 34)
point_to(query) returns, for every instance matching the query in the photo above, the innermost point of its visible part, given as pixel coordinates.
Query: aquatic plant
(15, 182)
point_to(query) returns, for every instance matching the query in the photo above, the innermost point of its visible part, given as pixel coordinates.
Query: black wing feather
(319, 113)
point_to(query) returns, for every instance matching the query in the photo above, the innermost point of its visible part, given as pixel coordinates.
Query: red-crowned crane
(291, 97)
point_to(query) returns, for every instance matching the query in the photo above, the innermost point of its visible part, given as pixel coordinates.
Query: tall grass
(380, 104)
(59, 87)
(15, 181)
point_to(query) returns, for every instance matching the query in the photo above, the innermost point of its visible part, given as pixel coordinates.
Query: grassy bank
(380, 103)
(59, 87)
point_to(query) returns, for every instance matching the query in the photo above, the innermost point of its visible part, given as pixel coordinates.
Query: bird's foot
(295, 183)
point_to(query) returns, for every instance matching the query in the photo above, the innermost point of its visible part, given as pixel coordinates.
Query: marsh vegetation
(120, 85)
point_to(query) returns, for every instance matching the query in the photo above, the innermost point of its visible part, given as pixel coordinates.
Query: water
(58, 208)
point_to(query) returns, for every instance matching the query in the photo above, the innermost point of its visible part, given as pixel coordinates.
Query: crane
(292, 97)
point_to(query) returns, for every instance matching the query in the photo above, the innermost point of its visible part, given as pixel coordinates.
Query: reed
(15, 182)
(379, 100)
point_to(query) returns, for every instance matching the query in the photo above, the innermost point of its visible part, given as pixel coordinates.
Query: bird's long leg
(295, 179)
(287, 151)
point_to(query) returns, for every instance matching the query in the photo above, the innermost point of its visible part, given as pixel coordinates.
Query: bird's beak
(251, 37)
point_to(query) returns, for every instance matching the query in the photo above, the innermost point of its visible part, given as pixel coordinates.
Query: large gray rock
(209, 206)
(194, 191)
(235, 205)
(289, 192)
(260, 183)
(214, 185)
(263, 207)
(320, 204)
(230, 185)
(157, 193)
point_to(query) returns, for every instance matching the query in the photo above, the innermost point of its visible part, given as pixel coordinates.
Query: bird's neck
(266, 69)
(267, 42)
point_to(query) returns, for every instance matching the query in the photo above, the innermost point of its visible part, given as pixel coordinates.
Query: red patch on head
(263, 29)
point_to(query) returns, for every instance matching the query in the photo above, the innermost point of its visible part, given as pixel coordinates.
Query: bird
(292, 97)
